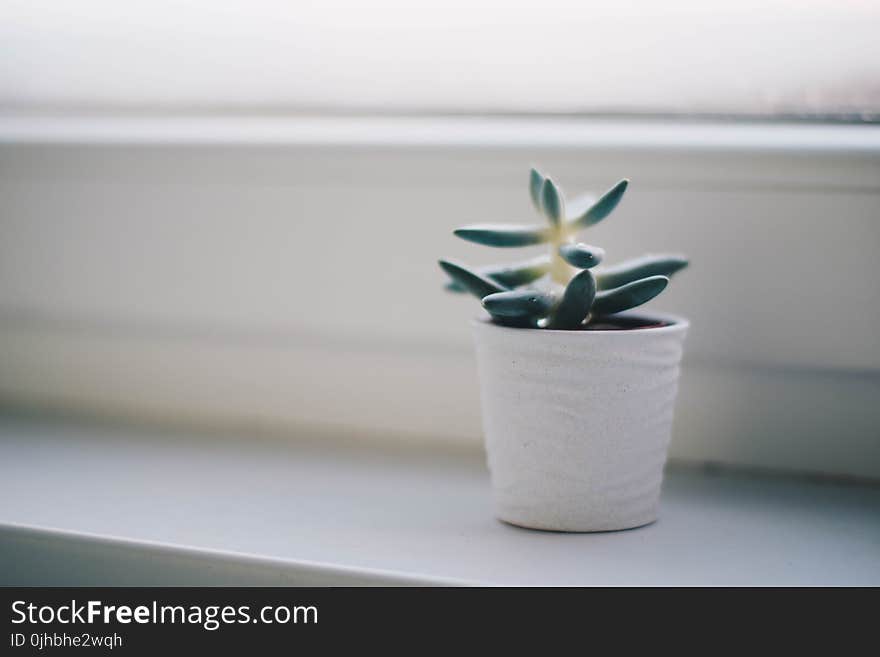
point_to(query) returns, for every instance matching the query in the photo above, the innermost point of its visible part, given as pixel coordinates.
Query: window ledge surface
(106, 505)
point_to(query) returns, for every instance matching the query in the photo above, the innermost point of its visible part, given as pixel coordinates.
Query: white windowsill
(105, 505)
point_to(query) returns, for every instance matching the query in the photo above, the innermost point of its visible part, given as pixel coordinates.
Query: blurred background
(798, 58)
(228, 214)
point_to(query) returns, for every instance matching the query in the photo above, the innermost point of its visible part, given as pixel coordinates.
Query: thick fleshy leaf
(601, 208)
(552, 202)
(665, 264)
(536, 183)
(576, 301)
(502, 235)
(582, 256)
(520, 273)
(629, 295)
(520, 303)
(475, 283)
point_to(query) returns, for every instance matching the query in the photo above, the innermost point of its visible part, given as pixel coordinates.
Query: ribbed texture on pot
(577, 423)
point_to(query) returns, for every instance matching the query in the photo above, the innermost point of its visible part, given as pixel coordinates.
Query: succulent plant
(559, 290)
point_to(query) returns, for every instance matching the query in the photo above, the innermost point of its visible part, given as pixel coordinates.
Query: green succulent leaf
(632, 270)
(475, 283)
(629, 295)
(520, 273)
(601, 208)
(536, 183)
(582, 256)
(530, 303)
(576, 301)
(511, 276)
(504, 289)
(504, 236)
(552, 202)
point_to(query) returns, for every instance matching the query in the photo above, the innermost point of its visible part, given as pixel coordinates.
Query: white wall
(283, 273)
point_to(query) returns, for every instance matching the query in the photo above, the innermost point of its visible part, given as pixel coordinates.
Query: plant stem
(560, 271)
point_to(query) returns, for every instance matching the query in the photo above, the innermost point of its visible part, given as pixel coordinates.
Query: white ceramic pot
(577, 423)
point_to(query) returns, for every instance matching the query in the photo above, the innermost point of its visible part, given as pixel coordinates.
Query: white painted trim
(52, 552)
(475, 132)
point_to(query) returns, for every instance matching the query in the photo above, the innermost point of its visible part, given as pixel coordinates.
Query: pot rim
(674, 324)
